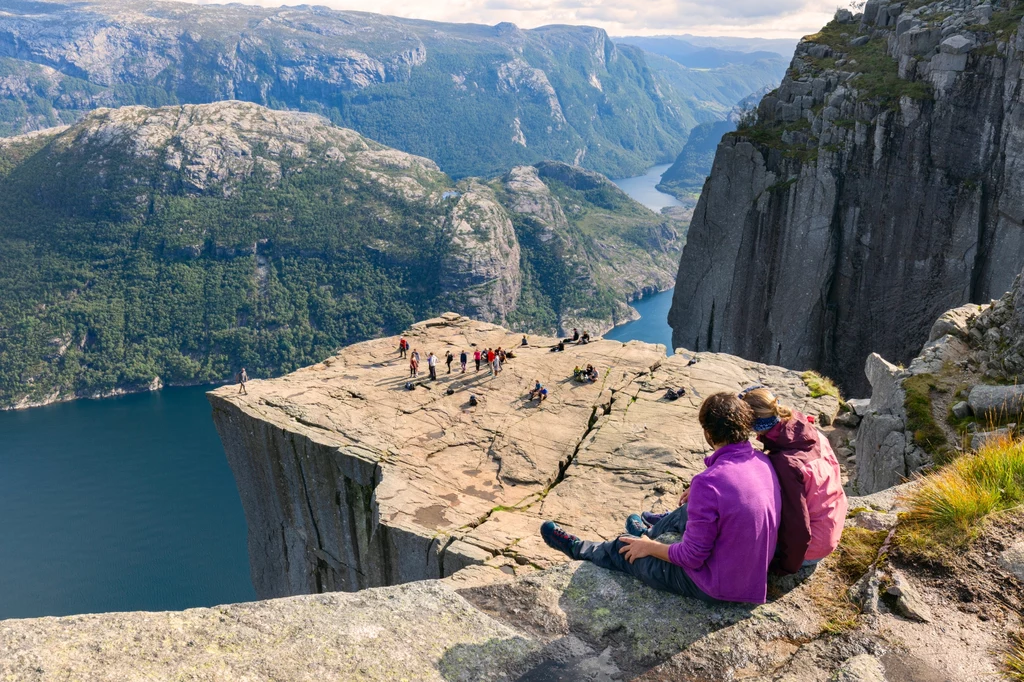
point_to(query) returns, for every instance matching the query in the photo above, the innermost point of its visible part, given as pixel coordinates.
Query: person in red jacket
(813, 501)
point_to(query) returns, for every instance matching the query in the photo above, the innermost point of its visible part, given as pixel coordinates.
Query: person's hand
(636, 548)
(684, 497)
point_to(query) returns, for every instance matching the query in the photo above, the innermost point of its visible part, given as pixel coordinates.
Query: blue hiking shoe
(635, 526)
(557, 538)
(650, 518)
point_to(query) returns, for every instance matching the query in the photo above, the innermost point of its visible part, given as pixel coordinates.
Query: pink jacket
(813, 501)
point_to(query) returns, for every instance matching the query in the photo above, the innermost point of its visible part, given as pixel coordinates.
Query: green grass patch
(820, 385)
(1013, 658)
(920, 421)
(879, 79)
(951, 505)
(857, 551)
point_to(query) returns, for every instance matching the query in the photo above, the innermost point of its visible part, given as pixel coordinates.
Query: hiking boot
(635, 526)
(557, 538)
(650, 518)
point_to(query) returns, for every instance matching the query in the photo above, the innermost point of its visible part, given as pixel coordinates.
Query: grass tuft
(920, 420)
(820, 385)
(948, 509)
(1013, 659)
(857, 551)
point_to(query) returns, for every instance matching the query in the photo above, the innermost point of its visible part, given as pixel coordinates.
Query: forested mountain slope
(476, 99)
(184, 241)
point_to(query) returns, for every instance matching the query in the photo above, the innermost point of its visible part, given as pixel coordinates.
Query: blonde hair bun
(764, 404)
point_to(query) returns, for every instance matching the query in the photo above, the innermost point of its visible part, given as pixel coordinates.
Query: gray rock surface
(861, 668)
(790, 256)
(886, 453)
(1012, 559)
(996, 402)
(349, 481)
(909, 602)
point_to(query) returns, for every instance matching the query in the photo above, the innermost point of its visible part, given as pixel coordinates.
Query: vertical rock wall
(311, 514)
(862, 206)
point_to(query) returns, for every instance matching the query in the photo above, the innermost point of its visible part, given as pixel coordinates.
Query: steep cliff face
(350, 480)
(880, 185)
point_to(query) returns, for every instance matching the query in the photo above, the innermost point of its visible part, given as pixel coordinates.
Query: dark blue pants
(651, 571)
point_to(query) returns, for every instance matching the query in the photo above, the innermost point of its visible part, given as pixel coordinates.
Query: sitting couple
(747, 513)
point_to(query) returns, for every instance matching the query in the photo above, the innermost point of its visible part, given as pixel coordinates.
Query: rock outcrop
(969, 350)
(879, 186)
(350, 480)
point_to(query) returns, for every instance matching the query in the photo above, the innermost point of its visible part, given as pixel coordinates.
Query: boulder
(962, 410)
(996, 402)
(957, 44)
(860, 406)
(909, 603)
(983, 438)
(849, 420)
(1012, 559)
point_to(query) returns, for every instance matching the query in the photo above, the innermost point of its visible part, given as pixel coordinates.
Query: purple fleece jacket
(732, 525)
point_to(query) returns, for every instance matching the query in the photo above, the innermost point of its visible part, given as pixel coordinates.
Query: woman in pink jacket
(813, 501)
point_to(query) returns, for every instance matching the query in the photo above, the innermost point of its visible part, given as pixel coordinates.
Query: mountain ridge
(476, 99)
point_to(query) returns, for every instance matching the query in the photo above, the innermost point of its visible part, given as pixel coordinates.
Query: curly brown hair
(726, 418)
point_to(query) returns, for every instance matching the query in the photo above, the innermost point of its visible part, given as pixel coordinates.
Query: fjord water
(120, 504)
(642, 189)
(652, 326)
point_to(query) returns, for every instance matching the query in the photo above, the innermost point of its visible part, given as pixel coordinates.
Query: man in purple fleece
(730, 522)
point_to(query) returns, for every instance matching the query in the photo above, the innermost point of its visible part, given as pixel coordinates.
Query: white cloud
(750, 18)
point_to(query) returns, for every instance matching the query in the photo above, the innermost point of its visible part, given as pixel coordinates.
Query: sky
(747, 18)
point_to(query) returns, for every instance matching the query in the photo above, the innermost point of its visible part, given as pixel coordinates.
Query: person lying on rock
(813, 501)
(729, 522)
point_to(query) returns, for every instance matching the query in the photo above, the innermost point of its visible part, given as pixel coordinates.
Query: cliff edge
(351, 480)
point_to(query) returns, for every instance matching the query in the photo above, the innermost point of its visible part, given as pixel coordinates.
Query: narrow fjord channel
(128, 503)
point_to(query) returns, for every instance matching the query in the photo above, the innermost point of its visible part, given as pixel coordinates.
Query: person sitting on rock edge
(729, 523)
(813, 501)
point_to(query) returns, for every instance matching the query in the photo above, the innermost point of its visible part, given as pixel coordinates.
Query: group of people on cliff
(494, 357)
(747, 514)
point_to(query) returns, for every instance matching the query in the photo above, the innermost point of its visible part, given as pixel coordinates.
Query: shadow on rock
(596, 624)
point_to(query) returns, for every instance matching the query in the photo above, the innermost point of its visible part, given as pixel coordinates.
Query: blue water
(642, 189)
(118, 504)
(652, 326)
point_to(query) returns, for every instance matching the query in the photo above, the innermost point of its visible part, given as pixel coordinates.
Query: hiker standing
(403, 347)
(490, 361)
(463, 359)
(414, 366)
(476, 358)
(448, 358)
(432, 366)
(242, 378)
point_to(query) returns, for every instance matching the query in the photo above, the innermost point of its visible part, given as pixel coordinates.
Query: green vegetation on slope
(949, 508)
(116, 269)
(878, 80)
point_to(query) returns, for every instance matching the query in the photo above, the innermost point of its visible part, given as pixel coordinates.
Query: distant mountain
(477, 99)
(688, 44)
(701, 56)
(182, 242)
